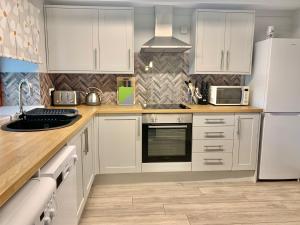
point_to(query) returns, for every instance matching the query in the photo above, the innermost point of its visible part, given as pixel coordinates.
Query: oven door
(167, 142)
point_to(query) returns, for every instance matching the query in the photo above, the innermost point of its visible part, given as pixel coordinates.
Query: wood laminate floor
(194, 203)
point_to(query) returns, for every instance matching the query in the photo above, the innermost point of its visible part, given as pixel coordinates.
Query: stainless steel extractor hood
(163, 41)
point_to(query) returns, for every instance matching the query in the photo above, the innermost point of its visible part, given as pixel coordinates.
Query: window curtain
(19, 30)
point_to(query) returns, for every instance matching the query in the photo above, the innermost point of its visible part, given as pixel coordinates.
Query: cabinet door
(72, 39)
(87, 160)
(120, 144)
(116, 41)
(79, 188)
(239, 42)
(246, 141)
(209, 44)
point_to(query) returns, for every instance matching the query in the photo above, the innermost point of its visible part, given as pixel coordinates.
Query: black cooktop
(165, 106)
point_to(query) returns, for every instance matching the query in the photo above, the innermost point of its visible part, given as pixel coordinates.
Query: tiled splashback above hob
(164, 83)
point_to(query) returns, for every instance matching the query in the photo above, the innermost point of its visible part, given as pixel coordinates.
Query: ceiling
(224, 4)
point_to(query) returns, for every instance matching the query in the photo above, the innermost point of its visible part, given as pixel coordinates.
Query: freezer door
(280, 148)
(284, 76)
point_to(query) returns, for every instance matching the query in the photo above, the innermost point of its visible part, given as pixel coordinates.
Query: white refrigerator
(275, 87)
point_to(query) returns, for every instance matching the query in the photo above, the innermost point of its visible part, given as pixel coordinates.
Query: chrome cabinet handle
(222, 60)
(214, 134)
(213, 161)
(86, 136)
(82, 143)
(227, 60)
(214, 121)
(95, 58)
(167, 127)
(238, 126)
(212, 148)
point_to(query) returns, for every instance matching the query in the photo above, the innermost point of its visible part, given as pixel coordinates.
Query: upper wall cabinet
(116, 41)
(222, 42)
(72, 39)
(19, 30)
(89, 39)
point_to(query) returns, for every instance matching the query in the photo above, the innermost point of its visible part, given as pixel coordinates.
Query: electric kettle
(93, 97)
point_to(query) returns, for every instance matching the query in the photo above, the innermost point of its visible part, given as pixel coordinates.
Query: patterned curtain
(19, 30)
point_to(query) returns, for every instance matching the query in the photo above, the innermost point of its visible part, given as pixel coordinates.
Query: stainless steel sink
(39, 125)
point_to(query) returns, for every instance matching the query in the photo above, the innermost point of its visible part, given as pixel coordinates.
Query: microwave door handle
(167, 127)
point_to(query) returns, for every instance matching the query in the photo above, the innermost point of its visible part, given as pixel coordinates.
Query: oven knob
(156, 119)
(179, 119)
(153, 119)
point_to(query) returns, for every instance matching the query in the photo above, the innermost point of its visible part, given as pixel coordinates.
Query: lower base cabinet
(246, 141)
(84, 166)
(225, 142)
(212, 161)
(120, 144)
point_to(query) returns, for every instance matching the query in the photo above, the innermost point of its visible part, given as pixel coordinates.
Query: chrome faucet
(22, 82)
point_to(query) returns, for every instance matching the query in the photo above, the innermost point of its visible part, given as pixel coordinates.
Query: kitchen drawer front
(211, 161)
(212, 146)
(213, 120)
(213, 132)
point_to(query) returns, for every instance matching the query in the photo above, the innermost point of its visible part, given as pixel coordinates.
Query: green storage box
(125, 95)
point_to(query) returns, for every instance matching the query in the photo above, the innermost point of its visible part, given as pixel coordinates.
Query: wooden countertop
(23, 153)
(116, 109)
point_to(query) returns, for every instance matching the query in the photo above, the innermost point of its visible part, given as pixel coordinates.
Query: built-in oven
(167, 138)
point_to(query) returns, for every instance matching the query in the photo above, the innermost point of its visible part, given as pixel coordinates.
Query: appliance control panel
(168, 118)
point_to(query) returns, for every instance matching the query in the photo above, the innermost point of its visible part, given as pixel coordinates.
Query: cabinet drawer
(212, 146)
(213, 132)
(211, 161)
(213, 120)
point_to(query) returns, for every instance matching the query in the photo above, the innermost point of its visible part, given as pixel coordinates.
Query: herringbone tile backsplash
(164, 83)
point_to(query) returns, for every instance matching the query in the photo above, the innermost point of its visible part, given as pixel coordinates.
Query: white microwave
(229, 95)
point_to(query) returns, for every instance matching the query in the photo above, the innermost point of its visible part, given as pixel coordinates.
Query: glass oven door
(167, 142)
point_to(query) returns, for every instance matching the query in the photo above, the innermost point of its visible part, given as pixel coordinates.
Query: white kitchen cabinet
(225, 141)
(222, 42)
(72, 39)
(246, 141)
(84, 166)
(239, 42)
(210, 42)
(211, 161)
(212, 142)
(116, 41)
(120, 144)
(90, 39)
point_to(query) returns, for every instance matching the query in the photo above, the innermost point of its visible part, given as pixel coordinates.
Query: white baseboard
(213, 176)
(167, 167)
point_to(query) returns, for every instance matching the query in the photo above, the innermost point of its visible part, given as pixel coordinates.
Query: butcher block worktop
(23, 153)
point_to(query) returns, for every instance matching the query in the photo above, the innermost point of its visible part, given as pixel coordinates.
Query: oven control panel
(168, 118)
